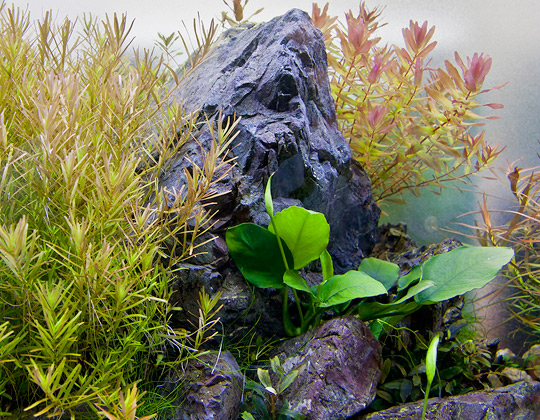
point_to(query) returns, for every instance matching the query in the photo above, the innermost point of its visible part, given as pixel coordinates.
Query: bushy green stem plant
(88, 237)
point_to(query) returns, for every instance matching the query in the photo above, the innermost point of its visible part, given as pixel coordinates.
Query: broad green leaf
(256, 253)
(268, 198)
(327, 265)
(348, 286)
(462, 270)
(367, 311)
(376, 327)
(305, 232)
(293, 279)
(247, 416)
(384, 271)
(411, 276)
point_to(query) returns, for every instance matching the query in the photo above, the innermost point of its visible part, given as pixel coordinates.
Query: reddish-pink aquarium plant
(407, 123)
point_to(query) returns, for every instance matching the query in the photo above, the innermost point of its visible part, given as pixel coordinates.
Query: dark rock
(210, 388)
(339, 367)
(274, 76)
(243, 307)
(519, 401)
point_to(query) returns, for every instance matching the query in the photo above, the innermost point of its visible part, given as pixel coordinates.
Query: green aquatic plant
(431, 367)
(519, 228)
(265, 399)
(89, 238)
(407, 123)
(273, 258)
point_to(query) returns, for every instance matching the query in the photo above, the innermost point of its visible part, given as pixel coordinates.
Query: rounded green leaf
(351, 285)
(256, 253)
(305, 232)
(461, 270)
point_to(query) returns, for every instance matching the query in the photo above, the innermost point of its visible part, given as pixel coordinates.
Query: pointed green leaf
(275, 364)
(305, 232)
(431, 358)
(462, 270)
(414, 290)
(367, 311)
(256, 253)
(271, 390)
(289, 379)
(268, 198)
(264, 378)
(348, 286)
(293, 279)
(384, 271)
(327, 265)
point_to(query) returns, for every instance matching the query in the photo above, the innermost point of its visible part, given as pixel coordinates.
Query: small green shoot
(431, 367)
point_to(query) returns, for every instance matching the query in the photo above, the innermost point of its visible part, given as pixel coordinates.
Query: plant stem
(299, 307)
(288, 326)
(425, 400)
(285, 296)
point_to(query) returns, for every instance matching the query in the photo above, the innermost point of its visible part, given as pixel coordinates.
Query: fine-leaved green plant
(407, 123)
(88, 236)
(295, 237)
(518, 226)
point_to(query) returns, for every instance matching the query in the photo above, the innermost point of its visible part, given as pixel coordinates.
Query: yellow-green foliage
(408, 124)
(88, 238)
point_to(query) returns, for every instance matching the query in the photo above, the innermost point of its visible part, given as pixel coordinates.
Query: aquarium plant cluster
(89, 240)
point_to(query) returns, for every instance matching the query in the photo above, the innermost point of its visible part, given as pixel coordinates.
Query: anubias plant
(295, 237)
(88, 237)
(407, 123)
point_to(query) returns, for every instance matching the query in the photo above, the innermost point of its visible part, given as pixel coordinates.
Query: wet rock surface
(210, 388)
(339, 367)
(274, 77)
(519, 401)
